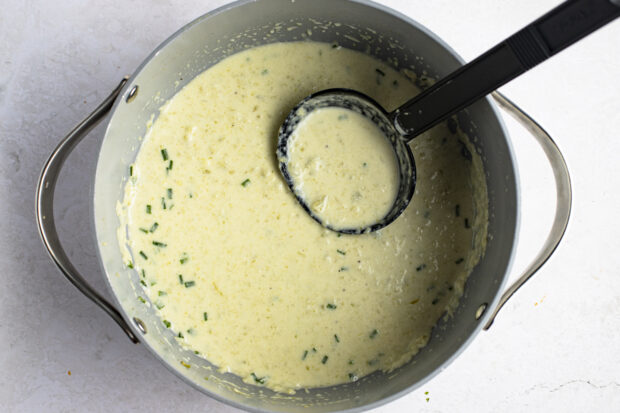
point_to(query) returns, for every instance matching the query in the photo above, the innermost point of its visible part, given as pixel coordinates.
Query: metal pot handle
(563, 197)
(45, 208)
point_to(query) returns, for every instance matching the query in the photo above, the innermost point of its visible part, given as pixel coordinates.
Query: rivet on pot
(480, 310)
(132, 94)
(140, 324)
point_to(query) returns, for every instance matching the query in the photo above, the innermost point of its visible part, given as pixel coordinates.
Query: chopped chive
(154, 227)
(259, 380)
(313, 350)
(339, 235)
(159, 305)
(167, 323)
(373, 333)
(130, 170)
(196, 352)
(143, 282)
(190, 331)
(180, 335)
(341, 252)
(395, 83)
(163, 203)
(184, 364)
(146, 231)
(148, 209)
(164, 154)
(467, 223)
(143, 255)
(460, 260)
(324, 359)
(169, 192)
(169, 167)
(142, 300)
(381, 72)
(180, 278)
(160, 293)
(435, 301)
(341, 269)
(352, 377)
(245, 183)
(364, 164)
(457, 210)
(331, 306)
(350, 362)
(143, 273)
(188, 284)
(153, 283)
(205, 316)
(336, 338)
(303, 357)
(130, 264)
(420, 267)
(159, 244)
(184, 258)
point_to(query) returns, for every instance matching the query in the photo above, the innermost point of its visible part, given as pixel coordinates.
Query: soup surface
(244, 276)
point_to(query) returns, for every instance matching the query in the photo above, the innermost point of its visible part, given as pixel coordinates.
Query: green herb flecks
(163, 203)
(460, 260)
(143, 282)
(169, 193)
(245, 183)
(142, 300)
(180, 335)
(205, 316)
(146, 231)
(331, 306)
(184, 258)
(395, 84)
(420, 267)
(159, 305)
(265, 72)
(143, 273)
(130, 170)
(336, 338)
(259, 380)
(466, 222)
(166, 323)
(341, 269)
(352, 377)
(164, 154)
(148, 209)
(341, 252)
(130, 264)
(180, 278)
(457, 210)
(380, 75)
(159, 244)
(143, 255)
(160, 293)
(153, 227)
(189, 284)
(373, 333)
(303, 357)
(169, 167)
(435, 301)
(324, 359)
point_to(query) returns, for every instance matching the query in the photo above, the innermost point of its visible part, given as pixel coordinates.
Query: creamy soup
(343, 167)
(243, 276)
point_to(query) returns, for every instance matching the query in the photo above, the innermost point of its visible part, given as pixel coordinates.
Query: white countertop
(554, 347)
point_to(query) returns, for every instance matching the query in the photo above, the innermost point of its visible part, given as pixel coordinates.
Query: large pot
(358, 25)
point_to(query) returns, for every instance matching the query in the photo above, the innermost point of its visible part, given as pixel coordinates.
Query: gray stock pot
(358, 25)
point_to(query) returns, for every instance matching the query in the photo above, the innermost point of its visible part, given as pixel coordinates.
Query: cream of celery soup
(344, 167)
(243, 276)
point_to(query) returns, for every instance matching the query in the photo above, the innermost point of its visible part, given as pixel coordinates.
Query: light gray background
(555, 347)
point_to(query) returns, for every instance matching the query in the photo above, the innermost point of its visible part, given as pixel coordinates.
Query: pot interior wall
(355, 25)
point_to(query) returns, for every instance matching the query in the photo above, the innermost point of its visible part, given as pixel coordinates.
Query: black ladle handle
(556, 30)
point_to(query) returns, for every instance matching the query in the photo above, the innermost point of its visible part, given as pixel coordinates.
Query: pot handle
(563, 198)
(45, 208)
